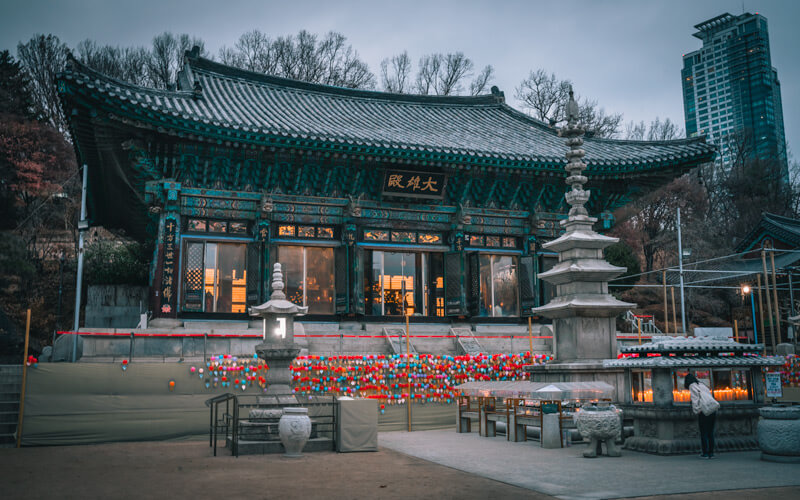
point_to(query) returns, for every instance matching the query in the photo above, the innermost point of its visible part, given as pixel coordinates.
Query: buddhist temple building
(375, 204)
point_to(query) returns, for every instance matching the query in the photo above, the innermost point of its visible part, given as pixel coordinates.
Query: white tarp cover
(539, 390)
(357, 425)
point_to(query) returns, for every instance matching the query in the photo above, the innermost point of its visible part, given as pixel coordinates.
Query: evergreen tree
(15, 95)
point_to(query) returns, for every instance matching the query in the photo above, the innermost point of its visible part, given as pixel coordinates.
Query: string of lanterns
(790, 371)
(390, 378)
(394, 378)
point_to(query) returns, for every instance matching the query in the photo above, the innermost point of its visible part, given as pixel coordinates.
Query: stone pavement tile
(565, 473)
(789, 492)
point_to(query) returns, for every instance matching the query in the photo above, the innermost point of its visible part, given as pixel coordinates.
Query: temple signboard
(414, 184)
(168, 276)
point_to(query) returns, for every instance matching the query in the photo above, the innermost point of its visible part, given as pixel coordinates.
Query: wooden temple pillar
(528, 277)
(260, 257)
(455, 276)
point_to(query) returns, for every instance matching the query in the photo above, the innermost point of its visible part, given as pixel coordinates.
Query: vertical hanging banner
(168, 275)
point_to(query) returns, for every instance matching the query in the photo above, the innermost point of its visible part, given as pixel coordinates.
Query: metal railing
(648, 326)
(321, 410)
(229, 421)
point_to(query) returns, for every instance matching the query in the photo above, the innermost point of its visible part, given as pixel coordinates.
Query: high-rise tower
(731, 91)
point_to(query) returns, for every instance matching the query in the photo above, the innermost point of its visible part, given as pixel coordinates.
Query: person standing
(705, 407)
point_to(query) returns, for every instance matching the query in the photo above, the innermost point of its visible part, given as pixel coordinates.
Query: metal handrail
(227, 418)
(230, 419)
(648, 327)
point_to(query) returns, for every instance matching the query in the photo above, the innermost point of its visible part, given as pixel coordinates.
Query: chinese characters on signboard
(416, 184)
(774, 387)
(168, 276)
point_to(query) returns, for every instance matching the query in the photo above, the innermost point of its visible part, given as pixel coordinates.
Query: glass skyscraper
(731, 92)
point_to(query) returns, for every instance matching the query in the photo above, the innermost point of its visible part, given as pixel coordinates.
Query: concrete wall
(114, 306)
(81, 403)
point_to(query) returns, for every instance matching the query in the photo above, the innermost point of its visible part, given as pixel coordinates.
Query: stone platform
(674, 431)
(192, 340)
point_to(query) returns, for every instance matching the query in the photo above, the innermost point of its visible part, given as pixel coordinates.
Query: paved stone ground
(187, 469)
(564, 473)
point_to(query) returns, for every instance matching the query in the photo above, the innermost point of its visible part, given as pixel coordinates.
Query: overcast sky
(624, 54)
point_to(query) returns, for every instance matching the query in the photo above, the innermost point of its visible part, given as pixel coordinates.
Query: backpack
(708, 405)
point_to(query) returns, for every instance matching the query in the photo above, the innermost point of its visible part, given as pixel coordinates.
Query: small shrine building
(375, 203)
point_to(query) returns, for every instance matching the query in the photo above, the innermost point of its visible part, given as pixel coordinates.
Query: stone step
(9, 396)
(263, 430)
(8, 440)
(323, 328)
(8, 427)
(9, 406)
(7, 416)
(248, 447)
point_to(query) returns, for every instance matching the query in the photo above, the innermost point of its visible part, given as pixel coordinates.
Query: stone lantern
(278, 348)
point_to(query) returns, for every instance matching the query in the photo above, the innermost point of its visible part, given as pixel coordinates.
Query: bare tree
(657, 130)
(427, 71)
(253, 51)
(445, 74)
(341, 65)
(166, 57)
(482, 80)
(328, 60)
(124, 63)
(454, 68)
(43, 57)
(649, 223)
(395, 73)
(596, 120)
(544, 96)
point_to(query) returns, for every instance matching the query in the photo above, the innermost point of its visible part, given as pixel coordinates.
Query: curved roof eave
(479, 130)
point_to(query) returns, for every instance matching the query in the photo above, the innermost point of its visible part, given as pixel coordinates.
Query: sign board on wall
(414, 184)
(774, 387)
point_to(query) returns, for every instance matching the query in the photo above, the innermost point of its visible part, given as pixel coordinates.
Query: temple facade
(376, 204)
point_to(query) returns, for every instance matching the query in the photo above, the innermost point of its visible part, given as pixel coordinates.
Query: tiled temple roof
(784, 228)
(668, 344)
(694, 361)
(243, 106)
(706, 346)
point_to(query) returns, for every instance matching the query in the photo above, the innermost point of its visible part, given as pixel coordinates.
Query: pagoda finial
(572, 109)
(277, 283)
(573, 132)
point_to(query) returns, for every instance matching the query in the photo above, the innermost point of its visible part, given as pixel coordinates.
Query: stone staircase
(162, 342)
(10, 387)
(258, 432)
(397, 340)
(467, 343)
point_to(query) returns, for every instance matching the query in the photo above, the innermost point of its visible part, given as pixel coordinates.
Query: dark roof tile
(481, 126)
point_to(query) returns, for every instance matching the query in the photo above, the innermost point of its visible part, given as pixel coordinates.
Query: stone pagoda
(583, 311)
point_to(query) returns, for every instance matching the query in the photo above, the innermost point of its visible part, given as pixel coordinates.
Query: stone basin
(600, 422)
(779, 433)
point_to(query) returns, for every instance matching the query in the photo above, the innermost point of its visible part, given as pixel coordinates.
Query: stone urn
(294, 428)
(599, 423)
(779, 433)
